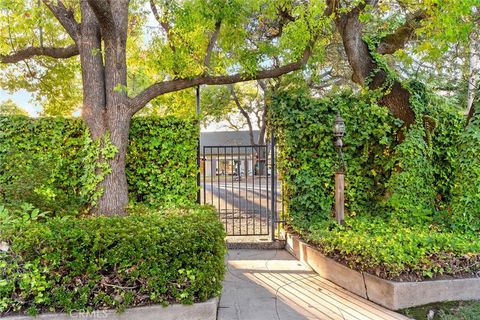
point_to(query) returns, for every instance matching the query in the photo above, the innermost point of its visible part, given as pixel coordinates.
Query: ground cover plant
(91, 263)
(411, 194)
(411, 162)
(455, 310)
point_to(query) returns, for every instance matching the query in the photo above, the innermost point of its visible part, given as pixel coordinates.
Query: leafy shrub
(161, 160)
(47, 162)
(466, 189)
(69, 263)
(39, 163)
(31, 178)
(411, 185)
(450, 124)
(384, 177)
(390, 250)
(412, 207)
(308, 159)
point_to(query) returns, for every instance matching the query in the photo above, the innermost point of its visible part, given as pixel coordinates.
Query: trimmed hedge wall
(42, 161)
(409, 181)
(82, 264)
(308, 159)
(412, 207)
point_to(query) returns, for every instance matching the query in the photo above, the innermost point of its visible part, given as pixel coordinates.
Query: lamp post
(339, 132)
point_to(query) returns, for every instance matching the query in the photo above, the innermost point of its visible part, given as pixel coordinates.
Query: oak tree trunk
(114, 199)
(105, 106)
(366, 71)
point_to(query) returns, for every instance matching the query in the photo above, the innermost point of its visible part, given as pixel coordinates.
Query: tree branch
(471, 113)
(65, 17)
(234, 126)
(366, 71)
(243, 112)
(262, 85)
(164, 24)
(327, 83)
(24, 54)
(211, 43)
(153, 7)
(397, 40)
(160, 88)
(104, 15)
(284, 18)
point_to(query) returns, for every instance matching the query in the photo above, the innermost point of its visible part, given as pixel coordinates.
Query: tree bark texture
(474, 69)
(105, 108)
(366, 71)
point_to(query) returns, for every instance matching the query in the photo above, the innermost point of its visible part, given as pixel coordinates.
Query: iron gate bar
(225, 183)
(265, 168)
(204, 173)
(274, 186)
(239, 177)
(244, 207)
(254, 168)
(217, 171)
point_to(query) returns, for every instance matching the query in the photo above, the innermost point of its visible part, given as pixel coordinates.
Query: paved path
(273, 285)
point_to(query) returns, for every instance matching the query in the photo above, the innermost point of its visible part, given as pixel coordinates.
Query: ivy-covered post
(339, 131)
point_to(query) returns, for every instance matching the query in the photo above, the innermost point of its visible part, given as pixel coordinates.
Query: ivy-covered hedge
(308, 158)
(82, 264)
(466, 188)
(412, 197)
(44, 162)
(384, 177)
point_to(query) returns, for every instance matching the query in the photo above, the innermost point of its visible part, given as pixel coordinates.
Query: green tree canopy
(8, 107)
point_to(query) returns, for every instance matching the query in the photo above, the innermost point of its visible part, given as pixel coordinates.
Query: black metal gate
(241, 182)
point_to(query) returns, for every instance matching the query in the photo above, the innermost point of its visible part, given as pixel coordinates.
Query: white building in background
(228, 153)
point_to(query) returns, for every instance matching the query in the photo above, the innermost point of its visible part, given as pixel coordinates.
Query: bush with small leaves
(70, 263)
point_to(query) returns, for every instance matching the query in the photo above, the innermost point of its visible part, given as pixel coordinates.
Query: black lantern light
(338, 126)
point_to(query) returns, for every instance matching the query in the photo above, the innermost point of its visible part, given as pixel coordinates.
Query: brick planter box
(393, 295)
(198, 311)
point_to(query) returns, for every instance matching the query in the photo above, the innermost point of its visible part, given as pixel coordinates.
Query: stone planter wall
(390, 294)
(198, 311)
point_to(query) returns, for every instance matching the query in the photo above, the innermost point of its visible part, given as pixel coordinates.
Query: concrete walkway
(273, 285)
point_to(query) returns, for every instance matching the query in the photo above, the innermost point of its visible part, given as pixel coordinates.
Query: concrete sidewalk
(273, 285)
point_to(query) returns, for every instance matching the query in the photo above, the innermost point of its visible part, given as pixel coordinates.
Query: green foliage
(451, 310)
(308, 158)
(8, 107)
(40, 162)
(449, 22)
(400, 218)
(55, 84)
(383, 177)
(51, 162)
(466, 188)
(445, 139)
(95, 167)
(390, 250)
(34, 178)
(161, 160)
(411, 186)
(81, 264)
